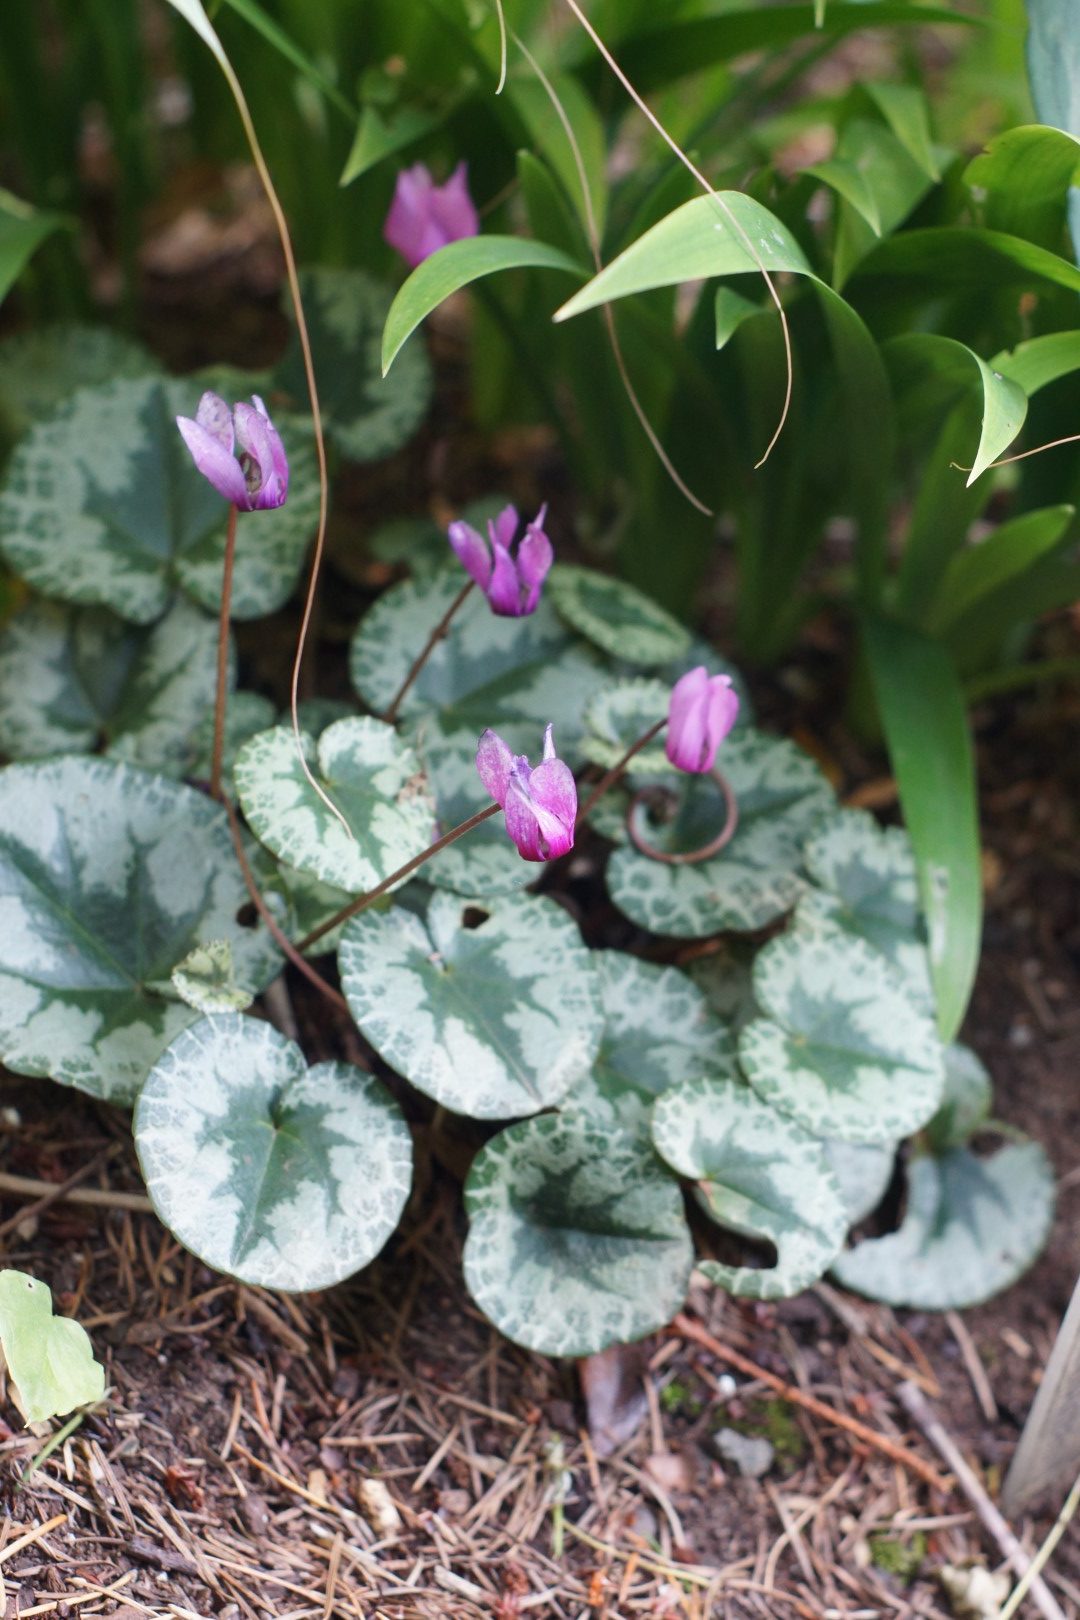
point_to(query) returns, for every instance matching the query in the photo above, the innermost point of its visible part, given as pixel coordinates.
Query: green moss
(678, 1397)
(774, 1421)
(898, 1555)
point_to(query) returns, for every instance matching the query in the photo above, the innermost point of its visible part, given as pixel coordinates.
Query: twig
(1054, 1535)
(57, 1189)
(916, 1406)
(975, 1369)
(424, 654)
(221, 689)
(48, 1192)
(689, 1329)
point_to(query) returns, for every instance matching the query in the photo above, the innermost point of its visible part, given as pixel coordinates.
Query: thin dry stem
(425, 652)
(1006, 461)
(611, 777)
(501, 14)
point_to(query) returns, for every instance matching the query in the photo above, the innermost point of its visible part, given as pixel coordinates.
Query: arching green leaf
(577, 1238)
(22, 231)
(108, 878)
(758, 1174)
(284, 1176)
(842, 1047)
(370, 774)
(39, 368)
(1022, 181)
(952, 366)
(50, 1358)
(492, 1009)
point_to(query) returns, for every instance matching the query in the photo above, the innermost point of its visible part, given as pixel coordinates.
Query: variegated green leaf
(965, 1106)
(206, 979)
(867, 886)
(304, 902)
(617, 617)
(841, 1045)
(758, 1174)
(50, 1358)
(370, 774)
(658, 1031)
(42, 366)
(617, 716)
(284, 1176)
(367, 415)
(781, 794)
(74, 680)
(103, 504)
(246, 714)
(725, 978)
(862, 1172)
(108, 878)
(577, 1238)
(971, 1227)
(491, 1010)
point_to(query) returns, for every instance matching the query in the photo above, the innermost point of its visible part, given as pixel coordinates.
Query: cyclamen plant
(767, 1090)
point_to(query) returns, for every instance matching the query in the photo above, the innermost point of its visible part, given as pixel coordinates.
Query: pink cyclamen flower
(238, 451)
(510, 577)
(424, 217)
(702, 710)
(540, 804)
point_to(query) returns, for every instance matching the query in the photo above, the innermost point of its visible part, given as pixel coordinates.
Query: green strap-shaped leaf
(1003, 404)
(906, 110)
(618, 618)
(492, 1009)
(1041, 360)
(369, 773)
(50, 1358)
(985, 585)
(972, 1226)
(456, 266)
(577, 1238)
(1023, 180)
(22, 231)
(108, 878)
(41, 367)
(943, 257)
(923, 712)
(102, 504)
(758, 1174)
(842, 1047)
(206, 979)
(282, 1175)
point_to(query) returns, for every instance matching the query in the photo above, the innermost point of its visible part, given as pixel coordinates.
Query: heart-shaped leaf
(842, 1047)
(617, 617)
(617, 716)
(493, 1010)
(103, 504)
(74, 679)
(42, 366)
(367, 415)
(658, 1031)
(577, 1238)
(369, 773)
(206, 979)
(50, 1358)
(284, 1176)
(108, 878)
(758, 1174)
(781, 794)
(862, 1172)
(971, 1227)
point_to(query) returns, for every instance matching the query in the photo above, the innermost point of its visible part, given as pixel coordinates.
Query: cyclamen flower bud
(511, 577)
(424, 217)
(540, 804)
(702, 710)
(238, 451)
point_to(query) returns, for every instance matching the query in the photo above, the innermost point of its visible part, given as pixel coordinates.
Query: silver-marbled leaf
(577, 1237)
(965, 1107)
(108, 877)
(370, 774)
(102, 504)
(618, 715)
(971, 1227)
(367, 415)
(40, 367)
(758, 1174)
(246, 714)
(282, 1175)
(842, 1047)
(492, 1008)
(862, 1172)
(616, 616)
(206, 979)
(781, 794)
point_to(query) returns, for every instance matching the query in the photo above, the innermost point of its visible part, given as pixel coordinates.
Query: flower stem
(221, 694)
(616, 771)
(362, 901)
(425, 652)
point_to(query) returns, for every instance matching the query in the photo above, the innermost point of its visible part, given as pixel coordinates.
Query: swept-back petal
(504, 587)
(723, 710)
(215, 416)
(218, 465)
(686, 745)
(277, 453)
(504, 527)
(521, 818)
(534, 558)
(471, 550)
(453, 208)
(553, 795)
(494, 761)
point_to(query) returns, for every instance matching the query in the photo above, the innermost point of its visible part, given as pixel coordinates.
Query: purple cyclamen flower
(511, 578)
(540, 804)
(424, 217)
(238, 451)
(702, 710)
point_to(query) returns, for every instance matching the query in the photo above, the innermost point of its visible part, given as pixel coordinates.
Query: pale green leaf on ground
(658, 1032)
(618, 618)
(40, 367)
(617, 716)
(368, 416)
(971, 1227)
(965, 1107)
(759, 1175)
(577, 1238)
(102, 504)
(282, 1175)
(50, 1358)
(842, 1047)
(370, 774)
(781, 795)
(206, 979)
(108, 878)
(491, 1008)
